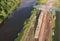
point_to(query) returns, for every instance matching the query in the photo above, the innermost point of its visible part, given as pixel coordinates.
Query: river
(15, 21)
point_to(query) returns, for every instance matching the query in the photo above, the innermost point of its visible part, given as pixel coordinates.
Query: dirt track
(44, 34)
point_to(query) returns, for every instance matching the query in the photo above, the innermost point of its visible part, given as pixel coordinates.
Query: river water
(14, 23)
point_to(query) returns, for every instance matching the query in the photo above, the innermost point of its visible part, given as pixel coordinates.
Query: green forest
(7, 7)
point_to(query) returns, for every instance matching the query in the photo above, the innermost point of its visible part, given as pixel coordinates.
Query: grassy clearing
(41, 2)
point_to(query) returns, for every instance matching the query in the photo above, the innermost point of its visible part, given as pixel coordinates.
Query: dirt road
(45, 28)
